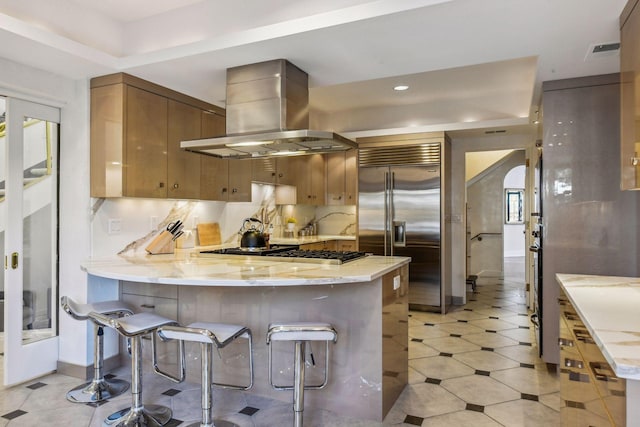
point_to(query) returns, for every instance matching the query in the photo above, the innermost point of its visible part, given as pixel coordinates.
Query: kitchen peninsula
(366, 300)
(600, 349)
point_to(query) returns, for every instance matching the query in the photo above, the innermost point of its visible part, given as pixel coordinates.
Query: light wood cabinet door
(335, 178)
(214, 172)
(264, 170)
(240, 180)
(285, 171)
(107, 140)
(145, 162)
(351, 177)
(346, 245)
(630, 100)
(310, 179)
(183, 167)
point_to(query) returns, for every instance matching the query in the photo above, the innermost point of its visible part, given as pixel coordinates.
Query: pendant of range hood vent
(261, 123)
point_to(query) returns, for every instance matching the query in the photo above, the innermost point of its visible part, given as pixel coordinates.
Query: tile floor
(475, 366)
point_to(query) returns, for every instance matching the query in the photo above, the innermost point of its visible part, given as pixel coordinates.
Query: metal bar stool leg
(298, 387)
(138, 415)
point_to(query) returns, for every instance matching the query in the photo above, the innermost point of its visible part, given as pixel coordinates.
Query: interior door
(31, 227)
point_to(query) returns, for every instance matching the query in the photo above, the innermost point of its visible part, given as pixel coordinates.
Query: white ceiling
(470, 63)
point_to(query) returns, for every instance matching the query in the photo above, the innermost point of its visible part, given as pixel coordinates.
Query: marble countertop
(609, 307)
(186, 267)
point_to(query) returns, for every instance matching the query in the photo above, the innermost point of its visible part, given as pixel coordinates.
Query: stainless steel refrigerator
(399, 214)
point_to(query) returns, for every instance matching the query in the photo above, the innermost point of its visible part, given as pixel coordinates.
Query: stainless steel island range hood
(268, 115)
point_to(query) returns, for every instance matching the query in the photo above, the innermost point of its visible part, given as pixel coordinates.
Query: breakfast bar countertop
(608, 306)
(187, 267)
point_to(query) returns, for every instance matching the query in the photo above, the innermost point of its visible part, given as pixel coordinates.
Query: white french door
(30, 175)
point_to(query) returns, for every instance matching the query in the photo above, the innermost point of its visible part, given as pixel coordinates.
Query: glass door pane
(39, 229)
(30, 214)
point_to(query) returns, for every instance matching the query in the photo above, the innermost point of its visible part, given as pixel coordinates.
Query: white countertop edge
(111, 268)
(621, 366)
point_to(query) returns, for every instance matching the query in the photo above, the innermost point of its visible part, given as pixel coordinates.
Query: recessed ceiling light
(401, 87)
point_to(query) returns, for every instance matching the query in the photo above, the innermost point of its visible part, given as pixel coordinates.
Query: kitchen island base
(368, 364)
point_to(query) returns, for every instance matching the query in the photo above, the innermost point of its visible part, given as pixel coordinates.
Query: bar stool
(300, 332)
(99, 388)
(134, 327)
(208, 335)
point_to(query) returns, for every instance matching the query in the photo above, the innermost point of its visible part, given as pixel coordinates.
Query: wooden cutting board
(209, 234)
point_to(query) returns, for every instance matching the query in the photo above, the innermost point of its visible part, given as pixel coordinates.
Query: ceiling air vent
(601, 50)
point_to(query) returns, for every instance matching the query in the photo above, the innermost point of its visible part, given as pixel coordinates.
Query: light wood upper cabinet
(630, 96)
(273, 170)
(145, 162)
(222, 179)
(342, 178)
(351, 177)
(310, 178)
(183, 167)
(136, 129)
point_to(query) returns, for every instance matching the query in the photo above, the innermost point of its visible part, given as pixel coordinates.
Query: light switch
(115, 225)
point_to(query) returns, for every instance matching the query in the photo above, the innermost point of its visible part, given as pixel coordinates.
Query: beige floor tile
(440, 367)
(460, 328)
(485, 360)
(523, 413)
(460, 418)
(427, 400)
(552, 400)
(467, 315)
(426, 332)
(480, 390)
(520, 353)
(427, 317)
(418, 350)
(527, 380)
(488, 339)
(451, 345)
(492, 324)
(517, 319)
(520, 335)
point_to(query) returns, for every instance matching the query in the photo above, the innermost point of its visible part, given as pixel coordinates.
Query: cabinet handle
(147, 306)
(563, 342)
(161, 185)
(176, 185)
(635, 161)
(572, 363)
(280, 175)
(224, 189)
(235, 190)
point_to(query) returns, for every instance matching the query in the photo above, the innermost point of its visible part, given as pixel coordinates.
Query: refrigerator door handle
(399, 234)
(386, 210)
(392, 214)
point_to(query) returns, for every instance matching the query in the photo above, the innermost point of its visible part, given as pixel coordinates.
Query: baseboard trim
(86, 372)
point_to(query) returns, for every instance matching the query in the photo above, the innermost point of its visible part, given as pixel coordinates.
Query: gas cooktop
(287, 253)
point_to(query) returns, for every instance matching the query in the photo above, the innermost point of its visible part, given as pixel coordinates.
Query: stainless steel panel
(399, 214)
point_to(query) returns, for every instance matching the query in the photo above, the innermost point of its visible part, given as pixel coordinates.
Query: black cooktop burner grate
(342, 256)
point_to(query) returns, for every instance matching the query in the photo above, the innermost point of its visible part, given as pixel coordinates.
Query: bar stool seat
(134, 327)
(208, 335)
(300, 333)
(99, 388)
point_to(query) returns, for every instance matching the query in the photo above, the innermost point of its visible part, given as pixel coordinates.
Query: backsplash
(139, 220)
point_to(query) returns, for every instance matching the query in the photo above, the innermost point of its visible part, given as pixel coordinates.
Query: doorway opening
(496, 207)
(514, 251)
